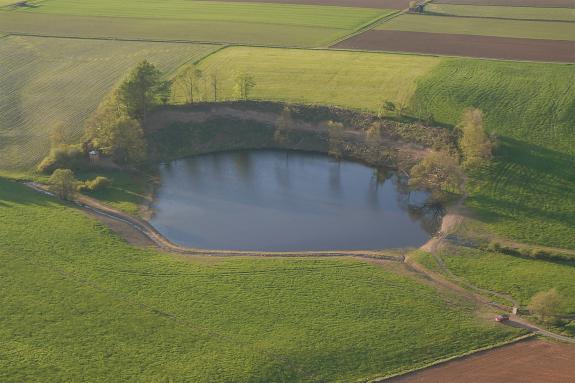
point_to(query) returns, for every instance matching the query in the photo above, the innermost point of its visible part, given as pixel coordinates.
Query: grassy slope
(522, 278)
(348, 79)
(282, 24)
(527, 193)
(532, 13)
(78, 304)
(50, 82)
(485, 27)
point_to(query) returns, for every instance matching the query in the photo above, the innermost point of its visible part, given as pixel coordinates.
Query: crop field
(268, 24)
(546, 30)
(506, 48)
(386, 4)
(79, 304)
(49, 82)
(503, 12)
(514, 3)
(347, 79)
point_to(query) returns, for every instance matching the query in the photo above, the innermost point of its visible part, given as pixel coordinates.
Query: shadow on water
(270, 201)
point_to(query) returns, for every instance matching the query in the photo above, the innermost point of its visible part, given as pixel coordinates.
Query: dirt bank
(181, 131)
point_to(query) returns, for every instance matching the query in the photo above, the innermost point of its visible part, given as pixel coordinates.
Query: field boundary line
(367, 27)
(494, 18)
(495, 346)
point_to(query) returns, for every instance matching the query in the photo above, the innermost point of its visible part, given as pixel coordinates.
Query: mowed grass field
(49, 82)
(347, 79)
(247, 23)
(79, 304)
(547, 30)
(503, 12)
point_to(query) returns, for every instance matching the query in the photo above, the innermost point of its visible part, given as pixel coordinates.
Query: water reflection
(267, 200)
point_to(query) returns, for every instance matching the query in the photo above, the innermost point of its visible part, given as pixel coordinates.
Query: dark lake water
(280, 201)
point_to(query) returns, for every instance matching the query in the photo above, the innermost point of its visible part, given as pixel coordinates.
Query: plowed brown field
(380, 4)
(515, 3)
(530, 361)
(463, 45)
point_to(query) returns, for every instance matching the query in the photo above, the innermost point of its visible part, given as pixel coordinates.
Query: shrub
(98, 183)
(63, 156)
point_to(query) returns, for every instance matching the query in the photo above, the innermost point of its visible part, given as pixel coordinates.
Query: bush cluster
(98, 183)
(63, 156)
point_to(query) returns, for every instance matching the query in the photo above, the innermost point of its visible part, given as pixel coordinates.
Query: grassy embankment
(518, 13)
(59, 82)
(79, 304)
(521, 278)
(547, 30)
(244, 23)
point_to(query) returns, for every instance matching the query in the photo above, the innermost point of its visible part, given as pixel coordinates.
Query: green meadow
(247, 23)
(346, 79)
(59, 82)
(547, 30)
(80, 304)
(503, 12)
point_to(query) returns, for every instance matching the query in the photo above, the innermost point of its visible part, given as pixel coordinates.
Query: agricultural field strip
(503, 12)
(513, 3)
(205, 11)
(51, 82)
(548, 30)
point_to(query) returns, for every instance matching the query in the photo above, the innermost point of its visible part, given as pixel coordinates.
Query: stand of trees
(116, 127)
(547, 304)
(475, 145)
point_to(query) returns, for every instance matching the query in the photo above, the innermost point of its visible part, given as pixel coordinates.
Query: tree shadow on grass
(526, 182)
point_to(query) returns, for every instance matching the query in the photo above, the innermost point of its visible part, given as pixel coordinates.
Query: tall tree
(142, 90)
(283, 125)
(214, 83)
(189, 80)
(336, 139)
(124, 141)
(439, 173)
(475, 145)
(244, 84)
(547, 303)
(63, 183)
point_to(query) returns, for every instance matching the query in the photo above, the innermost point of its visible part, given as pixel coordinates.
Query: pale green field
(348, 79)
(546, 30)
(47, 82)
(565, 14)
(261, 24)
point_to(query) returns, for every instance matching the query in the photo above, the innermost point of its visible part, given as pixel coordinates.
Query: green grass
(79, 304)
(48, 82)
(547, 30)
(526, 194)
(348, 79)
(519, 277)
(530, 13)
(278, 24)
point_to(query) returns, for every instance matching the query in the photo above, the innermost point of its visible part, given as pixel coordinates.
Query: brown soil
(529, 361)
(463, 45)
(381, 4)
(515, 3)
